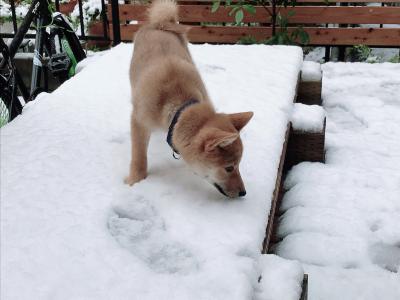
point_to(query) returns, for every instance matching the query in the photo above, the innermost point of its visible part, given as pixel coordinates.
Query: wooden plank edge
(269, 231)
(304, 288)
(278, 186)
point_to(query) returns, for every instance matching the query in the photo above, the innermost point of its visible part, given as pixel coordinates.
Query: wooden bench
(211, 27)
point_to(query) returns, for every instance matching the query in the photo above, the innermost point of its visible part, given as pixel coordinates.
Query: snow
(280, 279)
(317, 54)
(311, 71)
(91, 10)
(309, 118)
(342, 219)
(5, 9)
(20, 10)
(72, 230)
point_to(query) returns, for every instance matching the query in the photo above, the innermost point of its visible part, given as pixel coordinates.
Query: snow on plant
(5, 9)
(20, 10)
(360, 53)
(91, 10)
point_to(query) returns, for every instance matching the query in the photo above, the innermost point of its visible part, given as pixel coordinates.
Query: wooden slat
(344, 15)
(275, 197)
(318, 36)
(304, 288)
(348, 1)
(303, 14)
(278, 190)
(355, 36)
(306, 1)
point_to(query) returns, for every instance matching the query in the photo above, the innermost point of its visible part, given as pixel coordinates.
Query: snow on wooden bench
(69, 221)
(311, 84)
(304, 141)
(307, 137)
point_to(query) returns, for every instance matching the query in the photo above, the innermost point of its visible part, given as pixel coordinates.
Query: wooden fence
(325, 24)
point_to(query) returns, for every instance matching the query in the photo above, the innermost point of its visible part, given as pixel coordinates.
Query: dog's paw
(131, 180)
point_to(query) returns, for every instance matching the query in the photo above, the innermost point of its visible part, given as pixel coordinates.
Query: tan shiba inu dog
(168, 93)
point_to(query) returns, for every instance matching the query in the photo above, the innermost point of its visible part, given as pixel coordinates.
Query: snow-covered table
(70, 228)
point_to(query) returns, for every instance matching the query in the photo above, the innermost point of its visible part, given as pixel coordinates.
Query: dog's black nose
(242, 193)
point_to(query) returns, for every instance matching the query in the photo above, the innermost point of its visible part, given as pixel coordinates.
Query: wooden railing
(208, 27)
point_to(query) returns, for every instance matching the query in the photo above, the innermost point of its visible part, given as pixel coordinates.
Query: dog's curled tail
(163, 14)
(163, 11)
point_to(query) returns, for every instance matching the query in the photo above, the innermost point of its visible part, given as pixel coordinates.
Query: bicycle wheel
(10, 106)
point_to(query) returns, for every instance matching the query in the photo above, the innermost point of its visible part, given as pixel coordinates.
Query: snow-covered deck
(70, 228)
(342, 219)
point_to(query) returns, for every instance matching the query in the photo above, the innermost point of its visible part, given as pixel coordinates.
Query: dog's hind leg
(140, 140)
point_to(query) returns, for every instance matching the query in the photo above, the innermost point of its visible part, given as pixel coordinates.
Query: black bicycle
(57, 51)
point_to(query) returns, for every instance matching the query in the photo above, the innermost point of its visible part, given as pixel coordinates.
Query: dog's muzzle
(219, 188)
(241, 193)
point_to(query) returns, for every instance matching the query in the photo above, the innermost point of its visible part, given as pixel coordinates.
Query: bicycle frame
(40, 13)
(38, 10)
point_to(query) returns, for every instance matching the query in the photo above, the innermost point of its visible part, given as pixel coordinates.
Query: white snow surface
(20, 10)
(70, 228)
(342, 219)
(281, 279)
(309, 118)
(311, 71)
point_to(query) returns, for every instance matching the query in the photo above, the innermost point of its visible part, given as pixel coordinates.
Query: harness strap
(173, 123)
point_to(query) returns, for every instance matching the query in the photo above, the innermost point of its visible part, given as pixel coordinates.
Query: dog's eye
(229, 169)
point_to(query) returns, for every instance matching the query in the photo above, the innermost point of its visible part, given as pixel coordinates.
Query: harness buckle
(176, 155)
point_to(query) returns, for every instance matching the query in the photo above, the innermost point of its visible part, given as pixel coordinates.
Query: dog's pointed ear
(240, 120)
(219, 138)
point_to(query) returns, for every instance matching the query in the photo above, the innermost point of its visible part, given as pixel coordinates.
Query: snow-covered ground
(70, 228)
(342, 219)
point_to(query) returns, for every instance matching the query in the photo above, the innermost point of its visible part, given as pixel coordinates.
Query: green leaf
(304, 37)
(271, 41)
(291, 13)
(235, 8)
(239, 16)
(215, 6)
(280, 40)
(283, 21)
(250, 8)
(294, 35)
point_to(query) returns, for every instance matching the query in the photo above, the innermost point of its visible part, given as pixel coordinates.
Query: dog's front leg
(140, 136)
